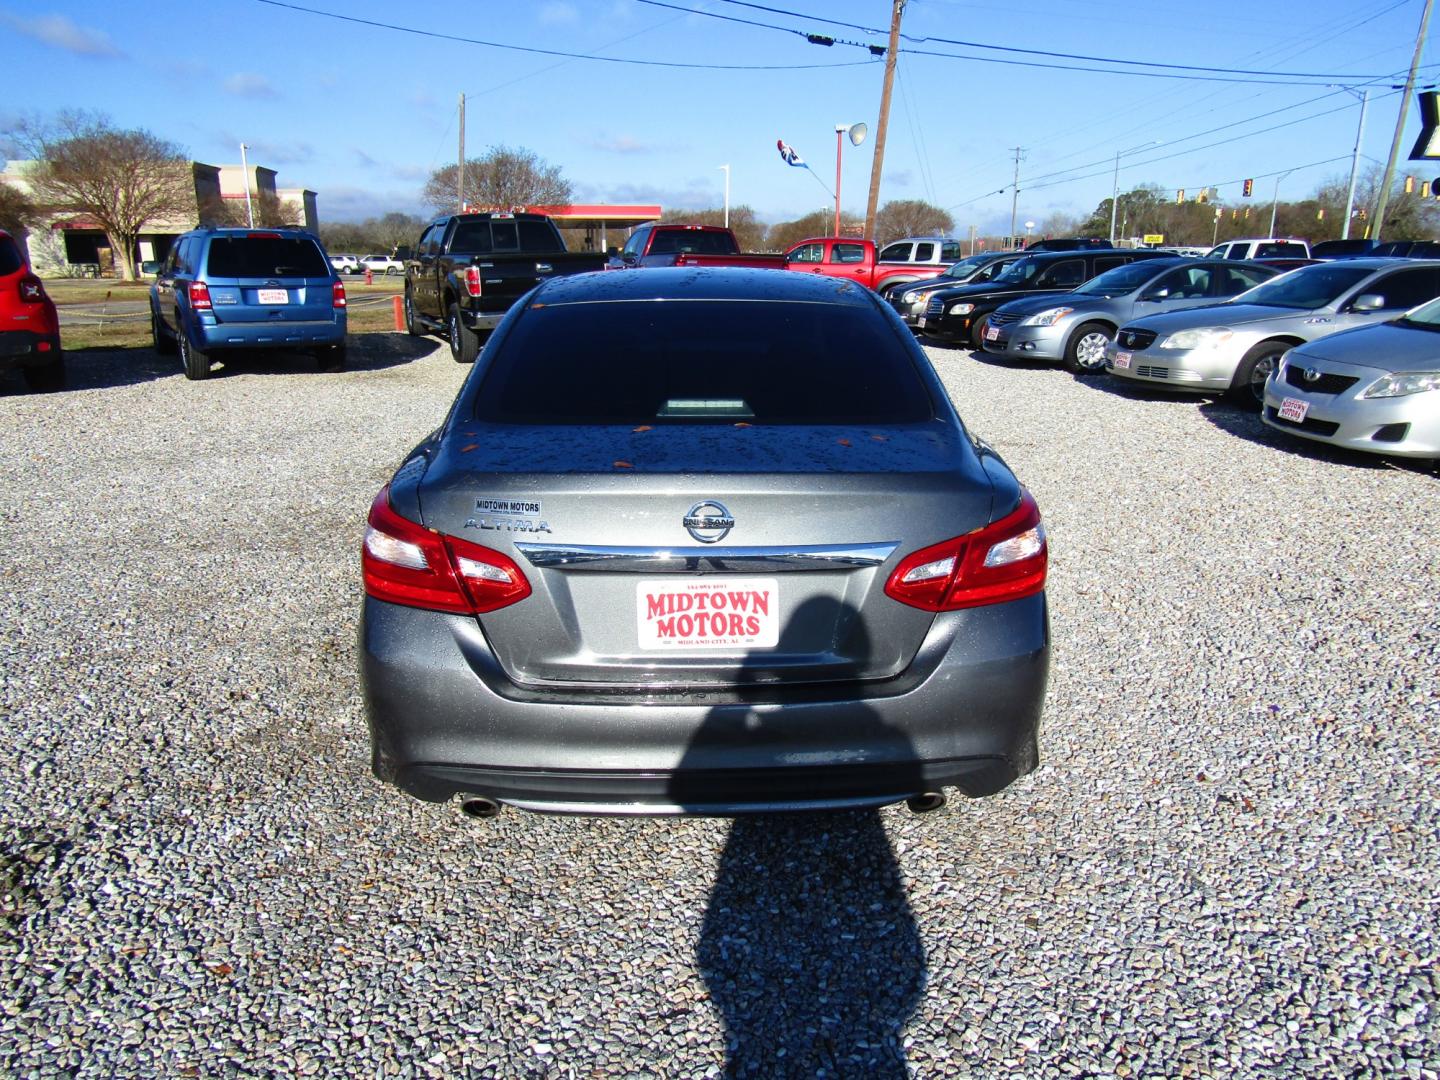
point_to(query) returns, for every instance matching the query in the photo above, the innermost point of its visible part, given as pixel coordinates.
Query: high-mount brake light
(406, 563)
(264, 236)
(1003, 561)
(200, 297)
(473, 284)
(337, 294)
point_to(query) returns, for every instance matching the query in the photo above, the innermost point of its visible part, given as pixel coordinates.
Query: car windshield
(1307, 288)
(1121, 280)
(1427, 315)
(1018, 272)
(266, 256)
(700, 361)
(966, 266)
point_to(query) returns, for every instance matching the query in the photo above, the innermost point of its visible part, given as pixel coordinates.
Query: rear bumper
(445, 720)
(26, 348)
(269, 335)
(481, 320)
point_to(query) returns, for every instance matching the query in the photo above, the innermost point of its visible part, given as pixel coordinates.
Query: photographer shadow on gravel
(808, 948)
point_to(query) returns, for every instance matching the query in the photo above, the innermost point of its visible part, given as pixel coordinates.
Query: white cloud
(247, 84)
(60, 32)
(621, 144)
(558, 13)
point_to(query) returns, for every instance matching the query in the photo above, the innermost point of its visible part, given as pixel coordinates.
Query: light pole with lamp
(856, 133)
(1275, 203)
(1115, 183)
(726, 169)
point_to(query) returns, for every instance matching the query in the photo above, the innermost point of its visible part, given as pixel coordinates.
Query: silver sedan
(1235, 346)
(1375, 389)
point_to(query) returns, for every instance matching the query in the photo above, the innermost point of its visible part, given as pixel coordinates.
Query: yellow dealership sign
(1154, 238)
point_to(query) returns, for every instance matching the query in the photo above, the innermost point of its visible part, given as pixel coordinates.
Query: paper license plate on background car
(1294, 409)
(991, 333)
(1122, 360)
(920, 322)
(709, 613)
(273, 296)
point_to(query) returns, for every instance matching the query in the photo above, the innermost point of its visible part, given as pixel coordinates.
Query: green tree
(124, 178)
(501, 179)
(911, 217)
(749, 230)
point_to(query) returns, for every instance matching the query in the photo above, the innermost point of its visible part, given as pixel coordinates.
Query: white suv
(346, 264)
(382, 264)
(1265, 247)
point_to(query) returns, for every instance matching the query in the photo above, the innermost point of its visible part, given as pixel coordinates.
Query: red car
(29, 327)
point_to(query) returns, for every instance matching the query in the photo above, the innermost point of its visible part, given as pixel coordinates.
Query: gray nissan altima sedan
(703, 541)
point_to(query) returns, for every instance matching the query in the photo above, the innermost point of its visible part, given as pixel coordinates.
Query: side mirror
(612, 252)
(1158, 294)
(1368, 302)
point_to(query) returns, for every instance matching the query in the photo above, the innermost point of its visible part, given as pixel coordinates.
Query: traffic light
(1204, 196)
(1424, 189)
(1409, 185)
(1180, 195)
(1248, 189)
(1320, 214)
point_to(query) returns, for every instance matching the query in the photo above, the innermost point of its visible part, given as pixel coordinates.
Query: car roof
(702, 283)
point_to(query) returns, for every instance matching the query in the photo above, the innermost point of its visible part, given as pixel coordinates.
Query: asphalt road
(1226, 864)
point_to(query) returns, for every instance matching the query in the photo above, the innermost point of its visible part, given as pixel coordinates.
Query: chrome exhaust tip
(925, 802)
(479, 806)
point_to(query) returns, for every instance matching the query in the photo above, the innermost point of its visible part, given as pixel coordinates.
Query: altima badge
(709, 522)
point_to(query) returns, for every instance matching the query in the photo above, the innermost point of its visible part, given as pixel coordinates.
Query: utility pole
(1400, 123)
(1354, 165)
(891, 55)
(460, 173)
(1015, 198)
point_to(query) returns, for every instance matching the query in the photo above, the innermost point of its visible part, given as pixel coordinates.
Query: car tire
(412, 324)
(977, 333)
(464, 342)
(1085, 351)
(331, 357)
(164, 343)
(47, 378)
(390, 271)
(1248, 386)
(195, 361)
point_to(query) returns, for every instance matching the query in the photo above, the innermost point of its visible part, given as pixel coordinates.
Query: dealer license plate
(991, 333)
(1294, 409)
(273, 296)
(1122, 360)
(920, 322)
(708, 613)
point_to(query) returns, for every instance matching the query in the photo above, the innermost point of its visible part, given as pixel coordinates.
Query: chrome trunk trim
(689, 560)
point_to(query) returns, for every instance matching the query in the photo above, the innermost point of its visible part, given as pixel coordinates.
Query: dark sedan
(703, 541)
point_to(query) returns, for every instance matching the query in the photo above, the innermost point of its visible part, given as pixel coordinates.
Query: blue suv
(228, 289)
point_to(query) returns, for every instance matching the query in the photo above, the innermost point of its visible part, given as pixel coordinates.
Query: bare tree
(749, 230)
(785, 234)
(910, 217)
(268, 210)
(17, 211)
(502, 179)
(125, 179)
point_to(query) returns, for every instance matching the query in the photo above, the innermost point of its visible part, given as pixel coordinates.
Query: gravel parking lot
(1226, 865)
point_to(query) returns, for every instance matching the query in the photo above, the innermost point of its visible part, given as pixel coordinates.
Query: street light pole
(245, 168)
(726, 169)
(1275, 203)
(1354, 166)
(1115, 181)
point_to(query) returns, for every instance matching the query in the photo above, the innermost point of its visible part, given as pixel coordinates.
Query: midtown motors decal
(708, 613)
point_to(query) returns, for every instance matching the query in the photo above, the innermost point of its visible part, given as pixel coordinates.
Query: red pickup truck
(855, 260)
(687, 245)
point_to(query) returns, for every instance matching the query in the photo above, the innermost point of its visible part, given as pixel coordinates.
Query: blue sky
(362, 114)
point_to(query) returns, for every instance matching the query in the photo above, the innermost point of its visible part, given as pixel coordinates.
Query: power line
(377, 24)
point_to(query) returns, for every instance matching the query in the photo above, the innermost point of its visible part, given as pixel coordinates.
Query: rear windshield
(484, 237)
(10, 260)
(702, 361)
(693, 242)
(266, 256)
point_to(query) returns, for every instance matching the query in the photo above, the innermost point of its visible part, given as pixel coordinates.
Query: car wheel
(1085, 352)
(977, 333)
(331, 357)
(47, 378)
(1248, 386)
(164, 343)
(195, 362)
(390, 271)
(464, 342)
(412, 324)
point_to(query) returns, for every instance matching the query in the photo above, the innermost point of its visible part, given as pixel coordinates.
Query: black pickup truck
(468, 269)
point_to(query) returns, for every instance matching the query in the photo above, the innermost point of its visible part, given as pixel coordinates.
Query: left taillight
(405, 563)
(1003, 561)
(31, 291)
(337, 294)
(473, 285)
(199, 294)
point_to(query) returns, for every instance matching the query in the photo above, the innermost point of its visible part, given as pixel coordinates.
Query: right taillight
(1004, 561)
(405, 563)
(200, 297)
